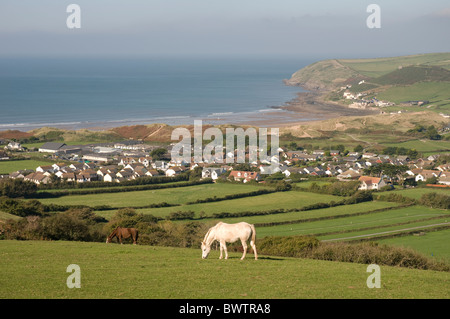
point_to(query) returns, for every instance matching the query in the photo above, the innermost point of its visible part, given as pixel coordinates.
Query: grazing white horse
(229, 233)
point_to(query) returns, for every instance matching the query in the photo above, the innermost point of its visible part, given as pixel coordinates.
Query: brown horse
(125, 233)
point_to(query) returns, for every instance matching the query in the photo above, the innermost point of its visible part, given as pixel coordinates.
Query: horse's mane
(114, 232)
(207, 234)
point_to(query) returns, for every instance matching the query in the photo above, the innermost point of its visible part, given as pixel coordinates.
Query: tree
(158, 154)
(432, 133)
(17, 188)
(358, 148)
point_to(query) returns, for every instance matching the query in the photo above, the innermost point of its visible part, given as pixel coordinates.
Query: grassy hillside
(33, 269)
(330, 74)
(381, 66)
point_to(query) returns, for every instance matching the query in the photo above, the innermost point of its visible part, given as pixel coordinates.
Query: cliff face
(323, 75)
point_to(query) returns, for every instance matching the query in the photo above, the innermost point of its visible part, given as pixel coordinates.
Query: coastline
(308, 106)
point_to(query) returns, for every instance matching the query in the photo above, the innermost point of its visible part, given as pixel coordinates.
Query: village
(131, 159)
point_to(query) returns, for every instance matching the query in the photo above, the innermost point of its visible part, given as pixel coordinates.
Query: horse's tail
(253, 233)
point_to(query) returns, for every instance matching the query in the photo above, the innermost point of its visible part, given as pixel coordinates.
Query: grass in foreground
(33, 269)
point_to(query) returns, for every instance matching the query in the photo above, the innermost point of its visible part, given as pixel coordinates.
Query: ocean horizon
(99, 93)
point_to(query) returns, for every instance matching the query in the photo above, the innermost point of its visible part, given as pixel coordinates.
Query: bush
(14, 188)
(435, 200)
(372, 253)
(289, 246)
(180, 215)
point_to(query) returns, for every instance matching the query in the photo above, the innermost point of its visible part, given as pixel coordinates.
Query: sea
(109, 92)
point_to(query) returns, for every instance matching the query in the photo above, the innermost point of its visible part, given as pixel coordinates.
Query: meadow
(147, 197)
(160, 273)
(381, 66)
(7, 167)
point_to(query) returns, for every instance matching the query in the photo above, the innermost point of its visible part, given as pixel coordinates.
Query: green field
(33, 269)
(431, 244)
(344, 225)
(416, 193)
(147, 197)
(7, 167)
(423, 146)
(437, 93)
(286, 200)
(381, 66)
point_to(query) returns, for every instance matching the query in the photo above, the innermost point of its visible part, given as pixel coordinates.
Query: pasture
(37, 269)
(7, 167)
(147, 197)
(374, 220)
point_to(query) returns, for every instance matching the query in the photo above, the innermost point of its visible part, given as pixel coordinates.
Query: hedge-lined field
(285, 200)
(179, 195)
(277, 213)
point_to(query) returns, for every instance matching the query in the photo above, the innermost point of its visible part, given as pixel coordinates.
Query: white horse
(229, 233)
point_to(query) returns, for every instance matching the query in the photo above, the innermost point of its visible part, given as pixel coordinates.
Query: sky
(266, 28)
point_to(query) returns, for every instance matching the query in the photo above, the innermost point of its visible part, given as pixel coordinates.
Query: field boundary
(401, 232)
(313, 219)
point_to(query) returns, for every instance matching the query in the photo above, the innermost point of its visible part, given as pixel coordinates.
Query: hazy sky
(322, 28)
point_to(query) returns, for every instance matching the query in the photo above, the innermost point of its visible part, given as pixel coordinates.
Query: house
(51, 147)
(3, 156)
(271, 169)
(349, 175)
(97, 157)
(70, 177)
(161, 165)
(370, 183)
(212, 172)
(14, 146)
(109, 177)
(58, 166)
(425, 174)
(288, 171)
(21, 173)
(334, 152)
(369, 155)
(244, 176)
(144, 161)
(174, 170)
(153, 172)
(37, 178)
(444, 180)
(129, 145)
(45, 169)
(125, 174)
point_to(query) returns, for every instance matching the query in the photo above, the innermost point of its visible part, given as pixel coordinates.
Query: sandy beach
(306, 107)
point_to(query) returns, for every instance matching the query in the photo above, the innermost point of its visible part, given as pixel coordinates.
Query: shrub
(435, 200)
(289, 246)
(13, 188)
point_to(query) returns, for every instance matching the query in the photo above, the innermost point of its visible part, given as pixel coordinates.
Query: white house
(444, 180)
(369, 183)
(174, 170)
(212, 172)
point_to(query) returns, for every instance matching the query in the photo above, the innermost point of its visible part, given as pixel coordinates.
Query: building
(212, 172)
(371, 183)
(51, 147)
(244, 176)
